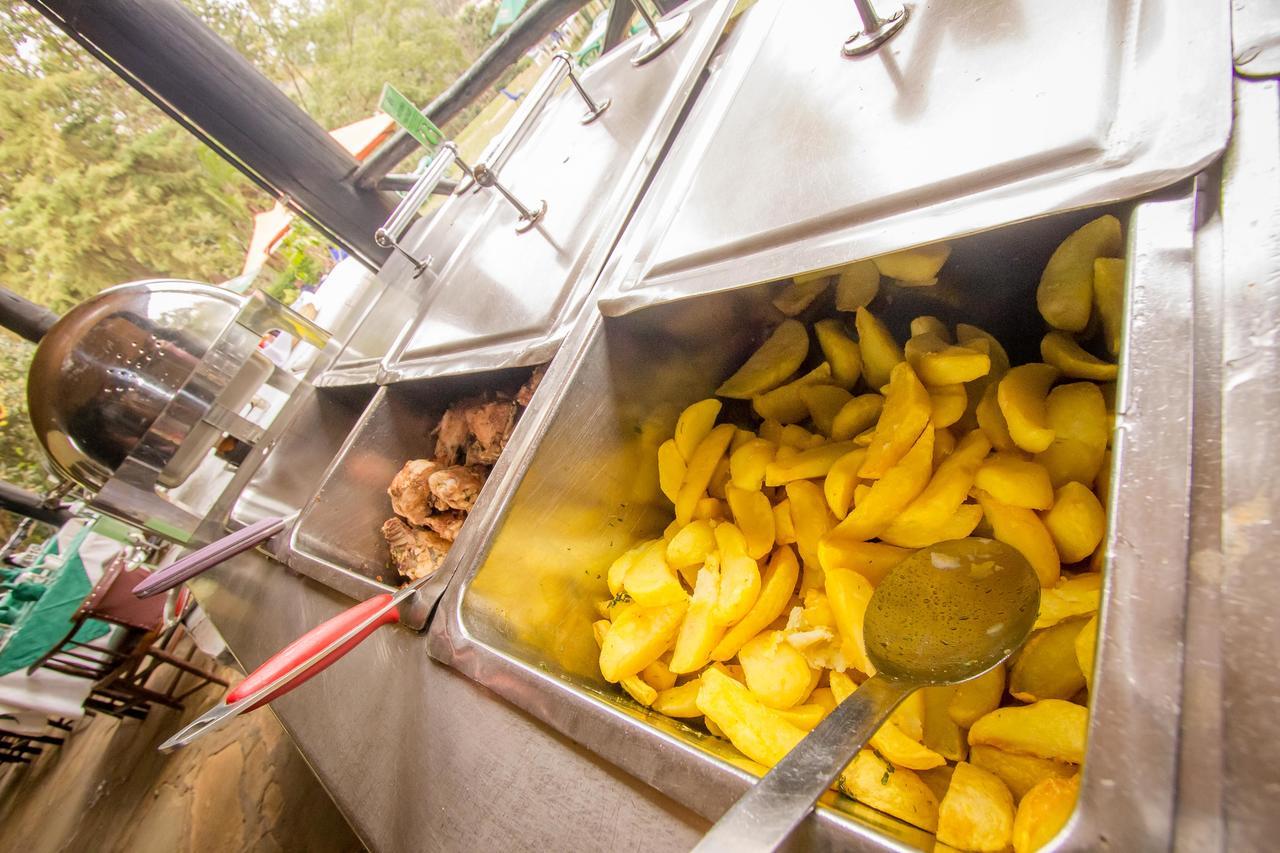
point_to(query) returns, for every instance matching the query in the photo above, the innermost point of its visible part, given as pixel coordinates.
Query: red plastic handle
(310, 644)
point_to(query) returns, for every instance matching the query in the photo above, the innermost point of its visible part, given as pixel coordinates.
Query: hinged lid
(974, 114)
(502, 289)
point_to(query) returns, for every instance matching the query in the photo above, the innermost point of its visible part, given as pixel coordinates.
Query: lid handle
(876, 30)
(391, 230)
(659, 35)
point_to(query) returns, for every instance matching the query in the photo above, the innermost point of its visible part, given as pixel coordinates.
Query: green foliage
(21, 460)
(305, 256)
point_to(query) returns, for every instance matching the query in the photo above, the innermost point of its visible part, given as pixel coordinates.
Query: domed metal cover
(107, 369)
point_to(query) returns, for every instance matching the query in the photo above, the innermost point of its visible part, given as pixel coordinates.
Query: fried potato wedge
(857, 286)
(889, 740)
(1071, 596)
(651, 582)
(700, 630)
(918, 266)
(693, 425)
(805, 465)
(848, 593)
(841, 481)
(778, 357)
(758, 732)
(1050, 728)
(748, 462)
(871, 780)
(977, 697)
(1046, 667)
(1022, 396)
(977, 811)
(776, 589)
(1015, 481)
(1108, 299)
(880, 352)
(1062, 351)
(785, 404)
(691, 545)
(795, 296)
(872, 560)
(856, 416)
(1020, 773)
(991, 420)
(948, 404)
(1077, 522)
(907, 411)
(638, 637)
(1043, 812)
(776, 672)
(892, 493)
(753, 514)
(936, 511)
(840, 351)
(671, 469)
(1086, 644)
(1024, 530)
(702, 465)
(1065, 293)
(680, 701)
(940, 732)
(937, 362)
(824, 402)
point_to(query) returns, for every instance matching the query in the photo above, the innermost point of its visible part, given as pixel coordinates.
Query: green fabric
(48, 620)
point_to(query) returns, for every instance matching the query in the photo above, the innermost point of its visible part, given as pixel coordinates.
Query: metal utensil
(203, 559)
(305, 657)
(946, 614)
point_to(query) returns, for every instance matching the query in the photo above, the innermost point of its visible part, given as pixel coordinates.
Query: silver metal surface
(389, 234)
(658, 35)
(795, 158)
(506, 299)
(875, 29)
(768, 813)
(582, 488)
(337, 538)
(1255, 29)
(1249, 587)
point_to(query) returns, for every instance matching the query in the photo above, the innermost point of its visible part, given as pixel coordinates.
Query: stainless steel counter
(419, 757)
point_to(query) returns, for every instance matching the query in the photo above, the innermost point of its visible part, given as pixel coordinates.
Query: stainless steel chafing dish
(865, 156)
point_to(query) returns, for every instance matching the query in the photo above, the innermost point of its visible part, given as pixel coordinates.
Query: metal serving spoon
(946, 614)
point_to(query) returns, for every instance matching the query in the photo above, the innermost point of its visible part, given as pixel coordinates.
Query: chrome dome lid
(107, 369)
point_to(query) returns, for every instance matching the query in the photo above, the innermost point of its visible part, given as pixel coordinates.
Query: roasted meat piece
(491, 425)
(415, 553)
(446, 524)
(457, 486)
(525, 394)
(452, 434)
(410, 491)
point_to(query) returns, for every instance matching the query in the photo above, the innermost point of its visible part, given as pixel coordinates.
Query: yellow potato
(719, 479)
(618, 569)
(638, 637)
(747, 463)
(811, 516)
(880, 352)
(824, 402)
(691, 545)
(739, 578)
(777, 673)
(841, 480)
(977, 697)
(1108, 299)
(1065, 293)
(1050, 728)
(680, 701)
(944, 442)
(909, 716)
(967, 335)
(1085, 646)
(784, 529)
(1043, 812)
(700, 630)
(947, 403)
(805, 716)
(1015, 481)
(937, 362)
(840, 351)
(639, 690)
(785, 404)
(1021, 395)
(671, 469)
(940, 732)
(770, 431)
(1077, 522)
(1020, 773)
(899, 792)
(889, 740)
(1078, 416)
(1072, 596)
(933, 511)
(857, 415)
(702, 464)
(906, 413)
(651, 582)
(799, 438)
(1062, 351)
(927, 324)
(857, 286)
(775, 593)
(768, 367)
(915, 266)
(758, 732)
(806, 465)
(1023, 529)
(1046, 667)
(991, 420)
(710, 508)
(892, 492)
(753, 514)
(872, 560)
(938, 779)
(658, 676)
(693, 425)
(795, 296)
(977, 811)
(848, 593)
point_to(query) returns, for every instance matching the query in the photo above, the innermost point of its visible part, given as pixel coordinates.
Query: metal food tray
(976, 114)
(582, 487)
(496, 296)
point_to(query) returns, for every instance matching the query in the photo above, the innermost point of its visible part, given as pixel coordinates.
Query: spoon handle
(764, 816)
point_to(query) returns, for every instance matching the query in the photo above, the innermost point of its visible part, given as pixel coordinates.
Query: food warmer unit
(758, 146)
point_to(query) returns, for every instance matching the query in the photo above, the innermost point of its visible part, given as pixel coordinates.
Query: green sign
(409, 117)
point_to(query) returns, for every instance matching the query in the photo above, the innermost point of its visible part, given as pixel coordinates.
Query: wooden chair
(124, 672)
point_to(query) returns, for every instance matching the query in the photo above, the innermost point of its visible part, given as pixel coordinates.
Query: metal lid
(505, 291)
(109, 366)
(974, 114)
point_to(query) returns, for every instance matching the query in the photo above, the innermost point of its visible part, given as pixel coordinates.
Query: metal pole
(32, 505)
(24, 317)
(165, 52)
